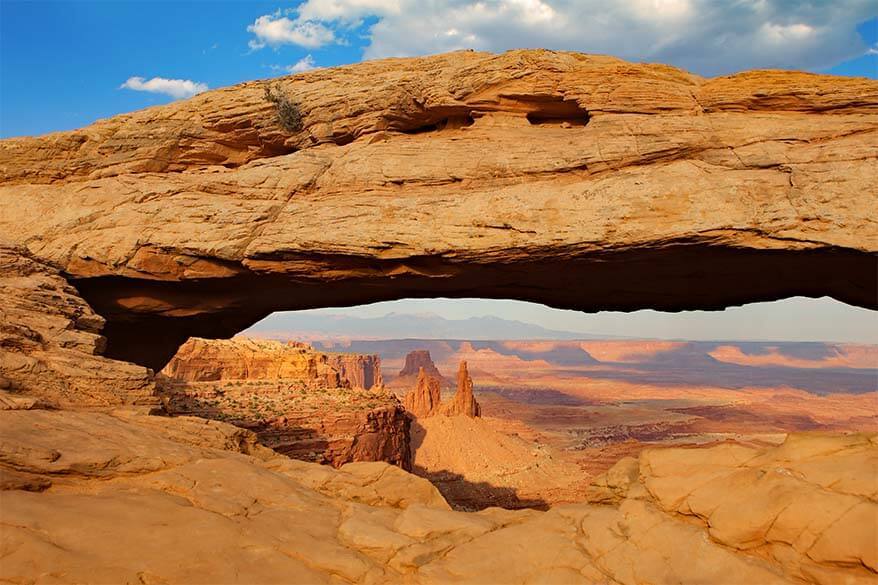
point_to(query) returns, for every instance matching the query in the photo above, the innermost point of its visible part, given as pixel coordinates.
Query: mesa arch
(577, 181)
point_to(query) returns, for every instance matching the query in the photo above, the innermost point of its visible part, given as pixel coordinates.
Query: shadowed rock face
(577, 181)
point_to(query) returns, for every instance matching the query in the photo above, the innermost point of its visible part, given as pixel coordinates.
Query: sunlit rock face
(463, 403)
(573, 180)
(302, 403)
(207, 360)
(425, 398)
(415, 361)
(801, 512)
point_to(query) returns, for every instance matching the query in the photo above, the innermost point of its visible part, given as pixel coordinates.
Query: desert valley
(549, 416)
(151, 432)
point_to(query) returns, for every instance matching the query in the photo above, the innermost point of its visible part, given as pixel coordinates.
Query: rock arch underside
(582, 182)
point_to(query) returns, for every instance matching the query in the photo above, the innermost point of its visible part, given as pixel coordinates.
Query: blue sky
(62, 63)
(65, 64)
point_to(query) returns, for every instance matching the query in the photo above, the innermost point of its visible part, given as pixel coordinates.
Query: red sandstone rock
(325, 408)
(425, 397)
(339, 436)
(463, 402)
(417, 360)
(202, 360)
(360, 371)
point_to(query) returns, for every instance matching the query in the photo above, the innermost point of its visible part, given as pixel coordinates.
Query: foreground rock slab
(202, 502)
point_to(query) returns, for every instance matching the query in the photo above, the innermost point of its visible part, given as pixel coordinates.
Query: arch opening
(549, 389)
(147, 320)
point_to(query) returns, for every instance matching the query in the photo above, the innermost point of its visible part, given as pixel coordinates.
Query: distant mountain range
(406, 325)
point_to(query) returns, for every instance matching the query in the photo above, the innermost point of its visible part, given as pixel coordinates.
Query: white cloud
(306, 63)
(347, 11)
(176, 88)
(274, 30)
(704, 36)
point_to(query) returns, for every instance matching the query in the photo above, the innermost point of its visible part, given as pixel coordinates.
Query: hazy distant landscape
(589, 401)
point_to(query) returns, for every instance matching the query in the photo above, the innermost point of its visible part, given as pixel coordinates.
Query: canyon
(325, 408)
(578, 181)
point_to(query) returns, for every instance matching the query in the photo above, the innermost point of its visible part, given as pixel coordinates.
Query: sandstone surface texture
(573, 180)
(210, 505)
(51, 342)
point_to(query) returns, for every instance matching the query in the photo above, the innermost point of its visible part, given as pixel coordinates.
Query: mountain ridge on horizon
(395, 325)
(427, 325)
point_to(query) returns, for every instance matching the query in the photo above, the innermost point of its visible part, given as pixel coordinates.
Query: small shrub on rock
(288, 114)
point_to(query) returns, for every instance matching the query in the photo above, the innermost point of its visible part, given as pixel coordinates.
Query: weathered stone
(463, 402)
(51, 344)
(424, 399)
(264, 518)
(325, 408)
(414, 361)
(573, 180)
(205, 360)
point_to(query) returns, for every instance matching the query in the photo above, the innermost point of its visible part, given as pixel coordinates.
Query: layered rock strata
(51, 342)
(302, 403)
(417, 360)
(204, 360)
(573, 180)
(425, 398)
(211, 505)
(375, 431)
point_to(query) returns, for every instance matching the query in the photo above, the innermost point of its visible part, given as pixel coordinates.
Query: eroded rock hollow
(576, 181)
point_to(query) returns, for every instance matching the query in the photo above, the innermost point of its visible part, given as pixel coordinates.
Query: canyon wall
(203, 360)
(324, 408)
(360, 371)
(379, 433)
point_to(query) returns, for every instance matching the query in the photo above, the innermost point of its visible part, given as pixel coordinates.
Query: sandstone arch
(577, 181)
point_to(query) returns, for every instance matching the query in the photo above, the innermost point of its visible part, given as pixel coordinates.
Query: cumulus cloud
(176, 88)
(704, 36)
(275, 29)
(306, 63)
